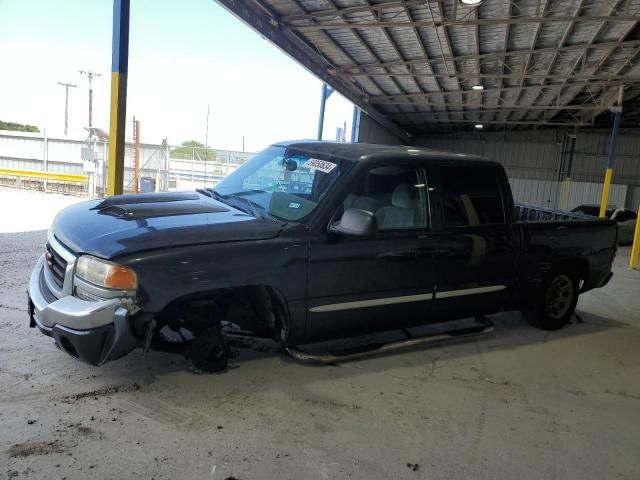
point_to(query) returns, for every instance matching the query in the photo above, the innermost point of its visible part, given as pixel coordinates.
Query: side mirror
(355, 222)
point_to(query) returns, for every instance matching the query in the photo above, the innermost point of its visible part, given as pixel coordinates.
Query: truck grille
(56, 265)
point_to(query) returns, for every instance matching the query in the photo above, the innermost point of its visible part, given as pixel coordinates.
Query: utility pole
(136, 140)
(66, 105)
(90, 76)
(206, 148)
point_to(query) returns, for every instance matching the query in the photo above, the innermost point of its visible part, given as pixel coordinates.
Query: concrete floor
(520, 403)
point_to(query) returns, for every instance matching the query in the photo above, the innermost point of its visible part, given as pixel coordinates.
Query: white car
(625, 218)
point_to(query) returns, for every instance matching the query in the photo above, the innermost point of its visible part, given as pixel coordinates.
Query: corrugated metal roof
(413, 63)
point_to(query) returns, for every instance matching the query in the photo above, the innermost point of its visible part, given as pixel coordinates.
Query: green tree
(18, 127)
(192, 149)
(192, 143)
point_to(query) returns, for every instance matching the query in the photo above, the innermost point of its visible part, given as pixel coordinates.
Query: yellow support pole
(119, 68)
(635, 249)
(617, 113)
(567, 179)
(605, 192)
(565, 192)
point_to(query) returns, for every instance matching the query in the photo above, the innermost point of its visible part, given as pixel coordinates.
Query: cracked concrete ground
(520, 403)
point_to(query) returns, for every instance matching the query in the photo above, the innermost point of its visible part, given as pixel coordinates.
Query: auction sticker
(322, 165)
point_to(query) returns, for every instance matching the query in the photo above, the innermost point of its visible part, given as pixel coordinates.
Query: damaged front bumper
(92, 331)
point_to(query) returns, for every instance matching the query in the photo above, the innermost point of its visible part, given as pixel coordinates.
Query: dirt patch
(36, 448)
(331, 403)
(103, 392)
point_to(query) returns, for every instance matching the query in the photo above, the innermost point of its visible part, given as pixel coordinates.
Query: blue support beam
(119, 70)
(326, 93)
(355, 125)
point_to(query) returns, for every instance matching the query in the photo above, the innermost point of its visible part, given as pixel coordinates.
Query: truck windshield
(282, 183)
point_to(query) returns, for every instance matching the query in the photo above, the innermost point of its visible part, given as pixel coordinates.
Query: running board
(482, 326)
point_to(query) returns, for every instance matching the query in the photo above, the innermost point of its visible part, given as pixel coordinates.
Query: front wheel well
(257, 309)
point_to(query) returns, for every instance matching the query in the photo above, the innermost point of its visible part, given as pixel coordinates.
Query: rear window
(470, 196)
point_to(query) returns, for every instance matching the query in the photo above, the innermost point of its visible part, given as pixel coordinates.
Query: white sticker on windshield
(322, 165)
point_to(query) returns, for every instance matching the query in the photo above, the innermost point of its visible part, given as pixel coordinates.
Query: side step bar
(482, 326)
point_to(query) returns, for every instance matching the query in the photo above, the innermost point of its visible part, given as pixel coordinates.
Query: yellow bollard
(605, 192)
(635, 249)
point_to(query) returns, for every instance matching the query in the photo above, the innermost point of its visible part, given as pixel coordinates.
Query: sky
(183, 56)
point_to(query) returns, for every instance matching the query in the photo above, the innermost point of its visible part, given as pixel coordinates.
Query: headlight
(106, 274)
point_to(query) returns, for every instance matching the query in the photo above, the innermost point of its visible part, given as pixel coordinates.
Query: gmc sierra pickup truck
(306, 242)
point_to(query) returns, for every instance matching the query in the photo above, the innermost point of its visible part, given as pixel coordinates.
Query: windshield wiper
(236, 200)
(252, 206)
(216, 195)
(242, 203)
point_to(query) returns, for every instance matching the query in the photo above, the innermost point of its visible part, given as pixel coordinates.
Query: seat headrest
(402, 197)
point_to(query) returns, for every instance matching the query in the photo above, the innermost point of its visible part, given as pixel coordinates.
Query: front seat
(362, 202)
(402, 211)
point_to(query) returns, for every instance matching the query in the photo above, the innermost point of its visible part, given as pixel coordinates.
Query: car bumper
(91, 331)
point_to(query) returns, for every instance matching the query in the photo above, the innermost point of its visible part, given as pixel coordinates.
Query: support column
(635, 248)
(355, 125)
(119, 69)
(617, 113)
(610, 160)
(326, 93)
(567, 179)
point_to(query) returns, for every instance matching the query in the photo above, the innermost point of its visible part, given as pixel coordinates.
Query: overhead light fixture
(478, 87)
(470, 3)
(479, 126)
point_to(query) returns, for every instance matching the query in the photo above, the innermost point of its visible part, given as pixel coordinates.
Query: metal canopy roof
(412, 64)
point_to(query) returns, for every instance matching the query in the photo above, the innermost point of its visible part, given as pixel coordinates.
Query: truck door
(363, 284)
(477, 247)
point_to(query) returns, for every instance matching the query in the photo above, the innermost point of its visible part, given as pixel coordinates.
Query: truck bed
(551, 236)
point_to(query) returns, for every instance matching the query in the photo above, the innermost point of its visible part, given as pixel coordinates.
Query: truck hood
(126, 224)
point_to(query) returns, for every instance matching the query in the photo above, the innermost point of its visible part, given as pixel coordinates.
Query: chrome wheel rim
(559, 296)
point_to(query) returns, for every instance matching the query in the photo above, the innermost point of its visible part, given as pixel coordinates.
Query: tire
(209, 351)
(556, 303)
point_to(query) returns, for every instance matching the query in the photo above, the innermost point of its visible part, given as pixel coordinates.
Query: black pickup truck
(306, 242)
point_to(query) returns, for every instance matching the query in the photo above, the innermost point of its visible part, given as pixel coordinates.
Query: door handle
(396, 256)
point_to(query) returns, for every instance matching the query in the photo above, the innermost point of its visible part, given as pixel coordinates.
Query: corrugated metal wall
(547, 193)
(32, 151)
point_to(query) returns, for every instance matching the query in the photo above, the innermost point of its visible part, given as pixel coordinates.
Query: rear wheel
(557, 302)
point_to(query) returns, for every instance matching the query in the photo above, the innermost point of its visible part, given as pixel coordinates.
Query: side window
(394, 194)
(470, 196)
